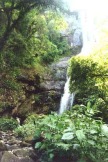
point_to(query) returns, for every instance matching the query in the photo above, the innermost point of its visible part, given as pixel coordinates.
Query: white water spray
(67, 98)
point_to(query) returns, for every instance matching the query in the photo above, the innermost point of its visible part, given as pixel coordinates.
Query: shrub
(75, 136)
(28, 129)
(8, 124)
(89, 79)
(25, 131)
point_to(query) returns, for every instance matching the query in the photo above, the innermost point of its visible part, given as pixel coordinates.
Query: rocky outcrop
(74, 31)
(57, 77)
(43, 93)
(39, 94)
(54, 82)
(13, 149)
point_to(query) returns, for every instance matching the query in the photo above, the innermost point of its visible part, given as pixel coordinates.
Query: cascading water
(88, 31)
(87, 25)
(67, 98)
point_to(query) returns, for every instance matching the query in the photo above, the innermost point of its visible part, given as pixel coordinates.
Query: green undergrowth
(74, 135)
(8, 124)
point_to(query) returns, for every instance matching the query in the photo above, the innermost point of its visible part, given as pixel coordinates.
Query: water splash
(67, 98)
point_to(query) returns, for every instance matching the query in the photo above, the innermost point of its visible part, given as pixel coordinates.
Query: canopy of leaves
(26, 35)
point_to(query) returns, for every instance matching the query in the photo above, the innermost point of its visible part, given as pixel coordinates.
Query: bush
(73, 135)
(28, 129)
(89, 79)
(77, 136)
(25, 131)
(8, 124)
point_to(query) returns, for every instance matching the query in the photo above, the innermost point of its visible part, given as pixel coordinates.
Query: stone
(52, 85)
(1, 154)
(25, 144)
(56, 79)
(23, 152)
(12, 147)
(13, 141)
(26, 159)
(77, 38)
(9, 157)
(3, 146)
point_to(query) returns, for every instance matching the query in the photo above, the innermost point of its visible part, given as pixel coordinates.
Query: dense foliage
(30, 39)
(72, 136)
(8, 124)
(26, 33)
(14, 11)
(79, 135)
(89, 79)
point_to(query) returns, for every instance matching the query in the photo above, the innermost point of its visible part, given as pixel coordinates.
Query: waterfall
(67, 98)
(88, 31)
(88, 34)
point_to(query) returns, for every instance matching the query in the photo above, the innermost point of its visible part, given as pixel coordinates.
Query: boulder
(23, 152)
(8, 156)
(3, 146)
(14, 151)
(1, 154)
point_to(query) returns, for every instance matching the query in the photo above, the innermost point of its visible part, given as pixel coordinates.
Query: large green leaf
(38, 145)
(93, 131)
(104, 129)
(48, 136)
(68, 136)
(80, 135)
(91, 142)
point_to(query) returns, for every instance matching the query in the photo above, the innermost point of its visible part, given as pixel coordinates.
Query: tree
(89, 79)
(25, 45)
(14, 11)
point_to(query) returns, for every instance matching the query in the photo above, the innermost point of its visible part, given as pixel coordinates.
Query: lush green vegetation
(72, 136)
(29, 34)
(89, 79)
(30, 39)
(81, 134)
(8, 124)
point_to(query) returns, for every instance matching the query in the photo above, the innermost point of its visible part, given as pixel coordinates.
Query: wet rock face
(56, 79)
(11, 149)
(54, 82)
(77, 38)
